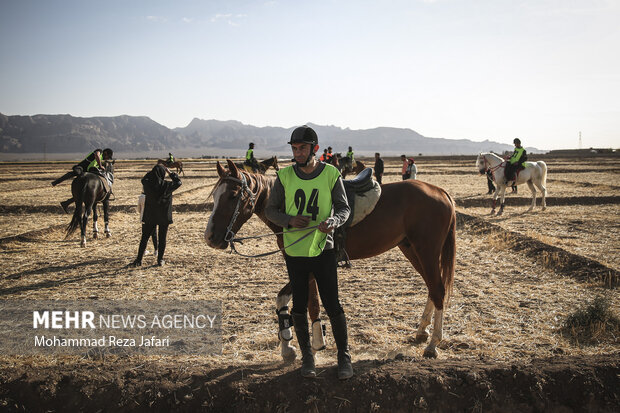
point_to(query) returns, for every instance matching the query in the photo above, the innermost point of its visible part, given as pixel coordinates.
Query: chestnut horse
(175, 164)
(417, 217)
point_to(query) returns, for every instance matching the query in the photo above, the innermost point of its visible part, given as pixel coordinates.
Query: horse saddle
(107, 185)
(363, 193)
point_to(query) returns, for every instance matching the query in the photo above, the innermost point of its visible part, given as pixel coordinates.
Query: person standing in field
(378, 167)
(405, 171)
(304, 196)
(157, 209)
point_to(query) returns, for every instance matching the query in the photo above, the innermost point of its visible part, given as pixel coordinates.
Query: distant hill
(66, 133)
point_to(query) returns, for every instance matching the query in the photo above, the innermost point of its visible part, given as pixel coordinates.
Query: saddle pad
(106, 184)
(365, 203)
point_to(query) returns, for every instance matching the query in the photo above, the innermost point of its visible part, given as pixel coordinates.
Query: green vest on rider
(350, 156)
(249, 154)
(516, 155)
(93, 161)
(311, 198)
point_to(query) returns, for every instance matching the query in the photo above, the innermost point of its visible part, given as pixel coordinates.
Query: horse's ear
(232, 168)
(220, 170)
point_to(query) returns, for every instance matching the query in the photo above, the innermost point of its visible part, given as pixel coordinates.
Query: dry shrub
(593, 323)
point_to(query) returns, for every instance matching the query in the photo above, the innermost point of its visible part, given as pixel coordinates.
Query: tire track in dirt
(560, 260)
(551, 201)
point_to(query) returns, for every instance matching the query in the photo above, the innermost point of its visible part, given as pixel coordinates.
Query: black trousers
(490, 184)
(148, 231)
(509, 172)
(324, 267)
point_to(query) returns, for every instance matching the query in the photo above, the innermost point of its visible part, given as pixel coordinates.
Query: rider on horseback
(170, 159)
(350, 156)
(92, 163)
(250, 160)
(515, 161)
(303, 196)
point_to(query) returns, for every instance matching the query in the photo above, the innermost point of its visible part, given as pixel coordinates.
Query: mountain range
(66, 133)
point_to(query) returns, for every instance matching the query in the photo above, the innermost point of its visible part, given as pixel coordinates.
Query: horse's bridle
(493, 169)
(230, 235)
(252, 197)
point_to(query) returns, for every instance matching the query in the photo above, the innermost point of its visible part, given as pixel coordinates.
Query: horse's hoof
(95, 235)
(543, 208)
(108, 235)
(288, 353)
(420, 338)
(83, 244)
(500, 213)
(430, 353)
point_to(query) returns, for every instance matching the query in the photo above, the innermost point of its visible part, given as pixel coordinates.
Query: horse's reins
(230, 235)
(492, 169)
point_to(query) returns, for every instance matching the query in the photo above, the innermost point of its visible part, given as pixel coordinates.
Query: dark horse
(262, 165)
(88, 190)
(345, 166)
(417, 217)
(175, 164)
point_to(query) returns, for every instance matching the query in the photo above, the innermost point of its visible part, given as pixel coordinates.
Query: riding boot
(300, 321)
(63, 178)
(339, 330)
(65, 205)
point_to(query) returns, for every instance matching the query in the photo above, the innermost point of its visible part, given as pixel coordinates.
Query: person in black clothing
(157, 209)
(490, 182)
(378, 167)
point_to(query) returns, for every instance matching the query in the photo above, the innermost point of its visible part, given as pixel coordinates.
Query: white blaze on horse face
(217, 194)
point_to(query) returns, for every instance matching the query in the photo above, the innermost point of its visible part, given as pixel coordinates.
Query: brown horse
(262, 165)
(417, 217)
(175, 164)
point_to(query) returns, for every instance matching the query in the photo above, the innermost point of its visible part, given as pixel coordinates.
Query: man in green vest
(250, 160)
(350, 155)
(303, 196)
(92, 163)
(170, 159)
(518, 157)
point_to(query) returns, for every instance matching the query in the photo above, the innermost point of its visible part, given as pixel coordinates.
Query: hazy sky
(541, 70)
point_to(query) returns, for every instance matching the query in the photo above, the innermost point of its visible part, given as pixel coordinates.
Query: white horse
(535, 173)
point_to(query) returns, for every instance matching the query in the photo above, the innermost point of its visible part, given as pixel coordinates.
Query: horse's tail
(79, 196)
(448, 256)
(76, 219)
(543, 178)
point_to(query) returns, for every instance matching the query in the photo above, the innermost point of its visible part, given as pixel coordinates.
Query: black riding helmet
(517, 141)
(305, 134)
(109, 152)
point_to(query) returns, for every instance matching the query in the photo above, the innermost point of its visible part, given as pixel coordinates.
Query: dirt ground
(518, 277)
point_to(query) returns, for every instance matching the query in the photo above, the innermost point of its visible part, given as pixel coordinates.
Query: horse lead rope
(230, 235)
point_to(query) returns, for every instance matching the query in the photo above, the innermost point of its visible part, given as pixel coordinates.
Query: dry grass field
(518, 277)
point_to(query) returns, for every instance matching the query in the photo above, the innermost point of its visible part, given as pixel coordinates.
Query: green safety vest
(93, 163)
(516, 155)
(350, 156)
(249, 154)
(311, 198)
